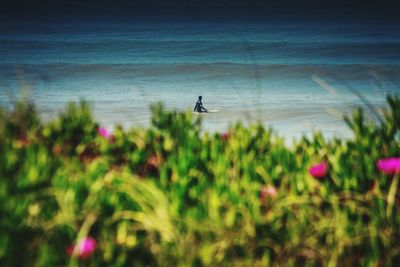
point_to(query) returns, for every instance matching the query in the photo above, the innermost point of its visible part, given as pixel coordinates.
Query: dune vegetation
(73, 193)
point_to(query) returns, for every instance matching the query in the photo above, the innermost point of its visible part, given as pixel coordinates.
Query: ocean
(295, 74)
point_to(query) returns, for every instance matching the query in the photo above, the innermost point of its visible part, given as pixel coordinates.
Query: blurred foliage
(172, 195)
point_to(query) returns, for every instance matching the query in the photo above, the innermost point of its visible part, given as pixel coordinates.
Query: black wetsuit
(199, 107)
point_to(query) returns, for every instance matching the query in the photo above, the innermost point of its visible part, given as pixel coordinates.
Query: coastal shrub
(74, 193)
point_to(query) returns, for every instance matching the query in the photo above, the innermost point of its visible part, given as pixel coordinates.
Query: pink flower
(389, 165)
(225, 135)
(105, 133)
(84, 248)
(267, 192)
(318, 170)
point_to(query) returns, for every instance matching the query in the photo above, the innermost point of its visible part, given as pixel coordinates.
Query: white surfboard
(208, 111)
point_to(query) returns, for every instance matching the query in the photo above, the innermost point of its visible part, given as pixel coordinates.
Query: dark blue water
(296, 74)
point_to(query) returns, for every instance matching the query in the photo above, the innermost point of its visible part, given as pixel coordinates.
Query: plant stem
(392, 195)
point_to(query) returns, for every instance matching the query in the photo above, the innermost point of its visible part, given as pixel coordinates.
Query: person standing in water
(199, 106)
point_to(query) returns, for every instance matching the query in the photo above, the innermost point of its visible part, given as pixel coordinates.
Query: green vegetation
(171, 195)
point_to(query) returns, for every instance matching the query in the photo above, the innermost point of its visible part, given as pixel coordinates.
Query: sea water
(295, 74)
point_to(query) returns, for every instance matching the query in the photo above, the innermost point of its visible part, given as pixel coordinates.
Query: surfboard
(208, 111)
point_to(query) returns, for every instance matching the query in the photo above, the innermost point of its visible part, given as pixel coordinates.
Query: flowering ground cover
(73, 193)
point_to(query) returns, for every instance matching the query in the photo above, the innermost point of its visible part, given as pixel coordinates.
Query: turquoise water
(293, 74)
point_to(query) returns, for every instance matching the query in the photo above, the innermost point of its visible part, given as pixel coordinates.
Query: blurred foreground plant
(73, 193)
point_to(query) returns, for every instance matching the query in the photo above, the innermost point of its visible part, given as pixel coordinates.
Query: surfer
(199, 106)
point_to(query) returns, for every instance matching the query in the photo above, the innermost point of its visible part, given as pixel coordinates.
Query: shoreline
(288, 124)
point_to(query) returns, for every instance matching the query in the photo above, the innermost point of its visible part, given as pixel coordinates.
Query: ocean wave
(118, 51)
(217, 70)
(163, 42)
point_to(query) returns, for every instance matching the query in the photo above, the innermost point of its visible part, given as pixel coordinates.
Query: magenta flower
(105, 133)
(389, 165)
(267, 192)
(318, 170)
(225, 135)
(84, 248)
